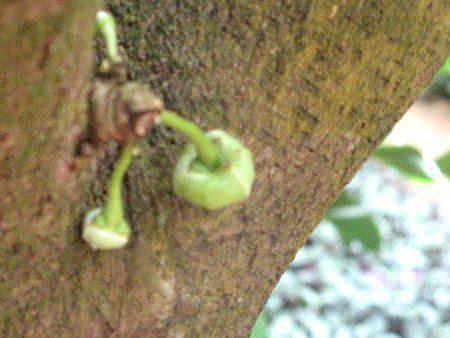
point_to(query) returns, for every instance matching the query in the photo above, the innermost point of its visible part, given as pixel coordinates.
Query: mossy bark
(312, 87)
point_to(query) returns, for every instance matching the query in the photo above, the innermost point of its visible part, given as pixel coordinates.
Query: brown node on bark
(121, 111)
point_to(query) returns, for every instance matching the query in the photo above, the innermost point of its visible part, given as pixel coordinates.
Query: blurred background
(378, 265)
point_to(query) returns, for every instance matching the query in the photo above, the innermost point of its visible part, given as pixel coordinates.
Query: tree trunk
(312, 87)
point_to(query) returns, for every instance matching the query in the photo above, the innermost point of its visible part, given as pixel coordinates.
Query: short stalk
(207, 151)
(107, 26)
(113, 209)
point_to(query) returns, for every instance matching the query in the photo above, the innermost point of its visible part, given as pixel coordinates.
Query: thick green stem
(113, 210)
(208, 152)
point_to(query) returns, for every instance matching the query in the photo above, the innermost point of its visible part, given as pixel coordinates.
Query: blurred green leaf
(356, 224)
(445, 69)
(345, 199)
(406, 159)
(443, 163)
(440, 86)
(261, 329)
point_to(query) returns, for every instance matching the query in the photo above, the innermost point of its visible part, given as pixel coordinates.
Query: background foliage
(356, 221)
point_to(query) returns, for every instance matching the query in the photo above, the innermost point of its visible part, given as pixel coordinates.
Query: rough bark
(310, 86)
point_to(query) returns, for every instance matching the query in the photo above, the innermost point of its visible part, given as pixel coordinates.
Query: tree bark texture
(312, 87)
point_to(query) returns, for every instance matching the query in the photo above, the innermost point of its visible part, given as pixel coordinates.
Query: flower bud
(219, 187)
(99, 235)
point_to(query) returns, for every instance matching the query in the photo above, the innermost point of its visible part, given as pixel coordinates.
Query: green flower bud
(100, 236)
(106, 228)
(215, 188)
